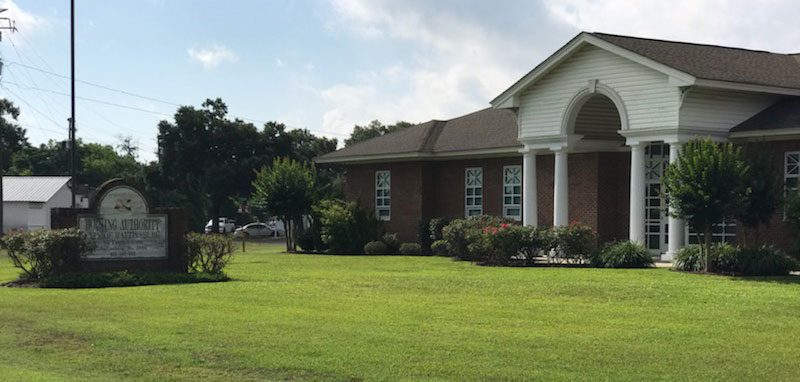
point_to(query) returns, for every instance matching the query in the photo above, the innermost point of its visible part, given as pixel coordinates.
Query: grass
(392, 318)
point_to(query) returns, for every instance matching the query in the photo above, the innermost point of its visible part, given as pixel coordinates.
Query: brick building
(586, 136)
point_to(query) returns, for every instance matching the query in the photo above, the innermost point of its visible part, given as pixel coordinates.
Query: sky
(322, 65)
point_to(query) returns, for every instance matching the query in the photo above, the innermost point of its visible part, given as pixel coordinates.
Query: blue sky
(323, 65)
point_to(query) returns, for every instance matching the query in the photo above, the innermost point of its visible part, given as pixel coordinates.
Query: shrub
(499, 245)
(375, 248)
(347, 227)
(423, 234)
(439, 248)
(410, 249)
(127, 278)
(723, 256)
(46, 252)
(305, 239)
(536, 240)
(765, 261)
(208, 253)
(624, 254)
(392, 244)
(458, 235)
(435, 228)
(577, 242)
(690, 259)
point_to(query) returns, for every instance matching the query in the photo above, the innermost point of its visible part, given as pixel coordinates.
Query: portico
(592, 97)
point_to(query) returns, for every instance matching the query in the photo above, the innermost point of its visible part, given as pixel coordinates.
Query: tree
(766, 189)
(12, 136)
(285, 189)
(204, 152)
(705, 185)
(372, 130)
(127, 146)
(96, 163)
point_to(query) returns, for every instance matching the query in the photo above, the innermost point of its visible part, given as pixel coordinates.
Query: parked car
(225, 225)
(254, 229)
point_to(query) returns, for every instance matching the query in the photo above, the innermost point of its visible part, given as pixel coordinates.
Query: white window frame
(473, 192)
(787, 175)
(383, 195)
(512, 180)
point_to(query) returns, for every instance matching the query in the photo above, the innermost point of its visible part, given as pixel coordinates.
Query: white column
(529, 207)
(561, 191)
(636, 213)
(676, 227)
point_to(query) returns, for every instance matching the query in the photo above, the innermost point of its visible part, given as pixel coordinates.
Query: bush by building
(347, 227)
(727, 259)
(577, 242)
(439, 248)
(410, 249)
(392, 244)
(376, 248)
(624, 254)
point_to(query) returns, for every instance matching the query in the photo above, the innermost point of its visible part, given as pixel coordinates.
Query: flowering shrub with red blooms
(577, 242)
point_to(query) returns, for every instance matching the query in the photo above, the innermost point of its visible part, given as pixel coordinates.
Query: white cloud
(27, 23)
(456, 64)
(763, 25)
(279, 62)
(213, 56)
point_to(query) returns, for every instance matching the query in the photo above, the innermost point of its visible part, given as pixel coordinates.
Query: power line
(29, 105)
(90, 99)
(149, 98)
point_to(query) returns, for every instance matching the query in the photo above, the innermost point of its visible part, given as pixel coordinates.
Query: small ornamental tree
(705, 185)
(285, 189)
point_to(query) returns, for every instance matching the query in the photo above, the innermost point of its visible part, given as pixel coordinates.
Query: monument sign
(123, 228)
(126, 233)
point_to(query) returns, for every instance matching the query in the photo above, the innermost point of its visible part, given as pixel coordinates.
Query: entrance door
(655, 218)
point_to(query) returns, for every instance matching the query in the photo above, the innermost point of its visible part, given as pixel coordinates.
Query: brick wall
(598, 190)
(406, 193)
(777, 232)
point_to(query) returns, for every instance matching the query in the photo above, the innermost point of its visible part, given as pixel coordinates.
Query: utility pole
(10, 25)
(72, 147)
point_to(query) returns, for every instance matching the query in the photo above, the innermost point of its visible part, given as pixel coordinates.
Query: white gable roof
(32, 188)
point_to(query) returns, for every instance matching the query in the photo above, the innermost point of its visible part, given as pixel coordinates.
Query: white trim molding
(510, 97)
(579, 99)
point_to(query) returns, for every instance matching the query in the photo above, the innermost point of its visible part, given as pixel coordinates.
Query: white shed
(27, 200)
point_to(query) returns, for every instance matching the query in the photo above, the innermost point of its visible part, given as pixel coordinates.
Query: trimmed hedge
(126, 278)
(375, 248)
(410, 249)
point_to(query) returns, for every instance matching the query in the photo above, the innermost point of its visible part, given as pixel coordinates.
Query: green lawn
(348, 318)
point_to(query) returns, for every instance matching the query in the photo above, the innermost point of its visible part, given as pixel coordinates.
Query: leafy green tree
(204, 152)
(96, 162)
(12, 136)
(285, 189)
(372, 130)
(766, 188)
(705, 185)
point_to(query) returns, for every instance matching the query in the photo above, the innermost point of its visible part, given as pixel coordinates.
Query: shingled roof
(713, 62)
(487, 129)
(782, 115)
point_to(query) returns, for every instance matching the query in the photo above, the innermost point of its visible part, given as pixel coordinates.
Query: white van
(225, 225)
